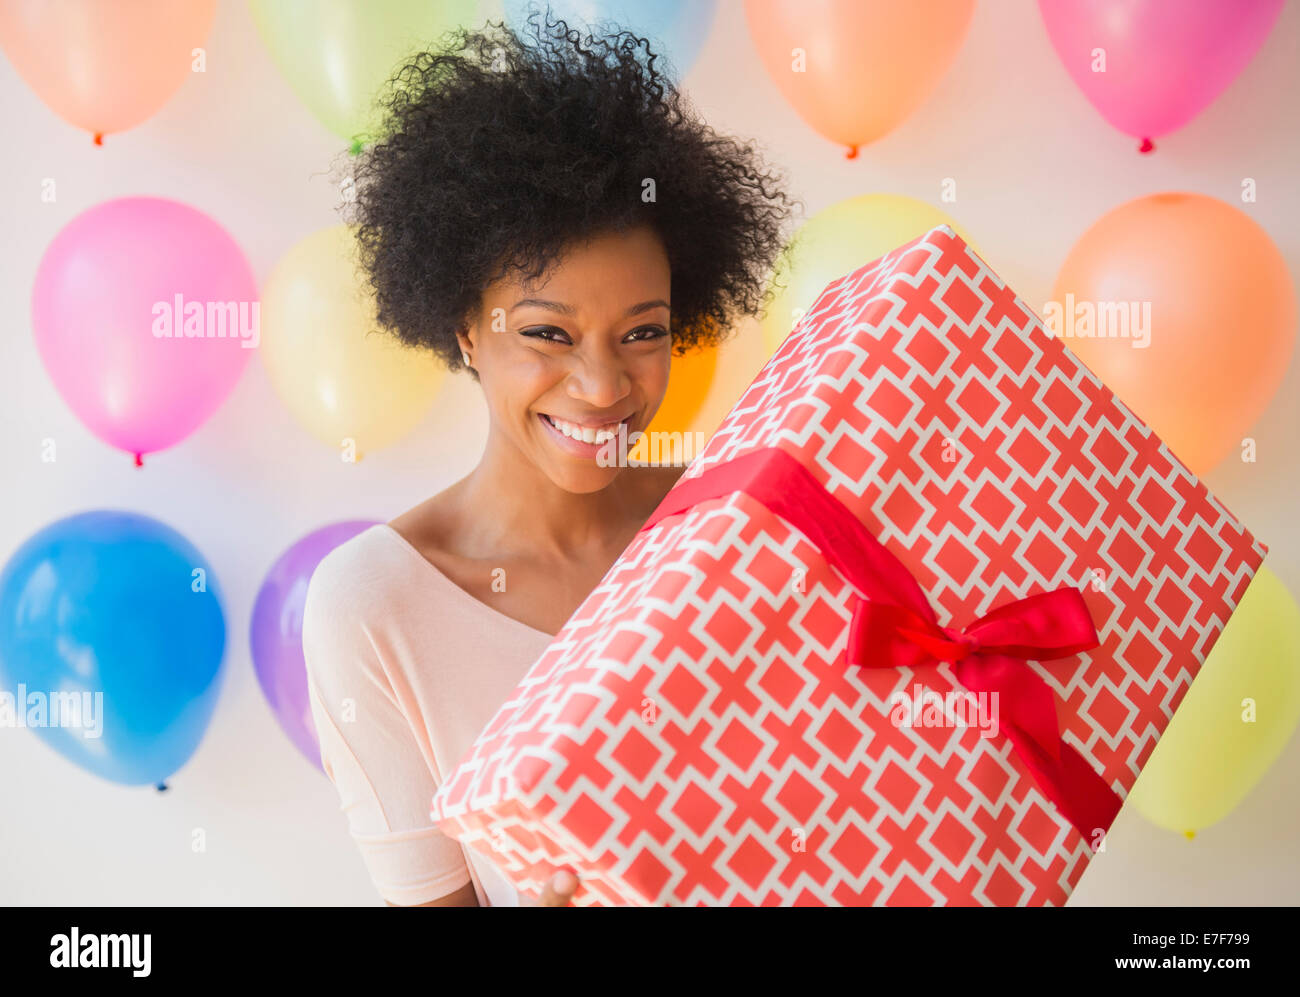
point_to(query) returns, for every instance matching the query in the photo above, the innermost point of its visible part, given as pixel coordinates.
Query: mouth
(579, 438)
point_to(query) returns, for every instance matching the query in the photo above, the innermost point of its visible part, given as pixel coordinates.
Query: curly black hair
(496, 155)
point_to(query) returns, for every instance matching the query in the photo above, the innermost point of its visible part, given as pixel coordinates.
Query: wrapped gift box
(905, 632)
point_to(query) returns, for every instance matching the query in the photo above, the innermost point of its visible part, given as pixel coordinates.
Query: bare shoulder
(425, 526)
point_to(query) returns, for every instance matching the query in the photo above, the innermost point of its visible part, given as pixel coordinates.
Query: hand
(557, 892)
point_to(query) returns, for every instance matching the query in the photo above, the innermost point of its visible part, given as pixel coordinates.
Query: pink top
(404, 669)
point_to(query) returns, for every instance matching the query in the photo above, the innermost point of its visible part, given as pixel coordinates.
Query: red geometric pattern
(692, 736)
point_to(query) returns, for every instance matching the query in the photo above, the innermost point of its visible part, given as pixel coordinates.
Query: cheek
(517, 377)
(652, 374)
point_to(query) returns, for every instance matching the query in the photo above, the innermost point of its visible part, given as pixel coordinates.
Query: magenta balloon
(275, 633)
(145, 313)
(1166, 60)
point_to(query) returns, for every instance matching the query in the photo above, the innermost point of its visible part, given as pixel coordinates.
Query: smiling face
(565, 361)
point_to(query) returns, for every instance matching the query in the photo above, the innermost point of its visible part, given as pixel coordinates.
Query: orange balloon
(689, 382)
(104, 67)
(854, 69)
(1207, 291)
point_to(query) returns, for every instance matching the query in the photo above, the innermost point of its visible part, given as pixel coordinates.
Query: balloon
(1151, 67)
(338, 54)
(1235, 719)
(689, 382)
(145, 313)
(104, 67)
(676, 29)
(276, 632)
(120, 613)
(342, 378)
(838, 240)
(1205, 288)
(855, 69)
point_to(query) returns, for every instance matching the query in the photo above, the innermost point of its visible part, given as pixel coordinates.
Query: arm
(373, 757)
(558, 892)
(369, 750)
(464, 897)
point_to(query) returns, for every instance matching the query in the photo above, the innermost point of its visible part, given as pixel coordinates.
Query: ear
(465, 337)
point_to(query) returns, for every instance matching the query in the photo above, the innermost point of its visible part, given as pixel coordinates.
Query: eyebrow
(563, 309)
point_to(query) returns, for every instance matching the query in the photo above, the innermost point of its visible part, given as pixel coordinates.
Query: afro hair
(496, 155)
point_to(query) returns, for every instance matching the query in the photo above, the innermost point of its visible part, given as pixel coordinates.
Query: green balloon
(337, 54)
(838, 240)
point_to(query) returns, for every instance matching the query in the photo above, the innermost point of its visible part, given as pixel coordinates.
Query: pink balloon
(1165, 60)
(145, 313)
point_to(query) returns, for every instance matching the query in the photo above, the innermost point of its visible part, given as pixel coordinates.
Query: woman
(553, 219)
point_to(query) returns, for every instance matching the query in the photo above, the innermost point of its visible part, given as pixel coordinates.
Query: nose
(599, 378)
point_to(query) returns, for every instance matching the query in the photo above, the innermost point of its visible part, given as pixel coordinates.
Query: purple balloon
(276, 631)
(1166, 60)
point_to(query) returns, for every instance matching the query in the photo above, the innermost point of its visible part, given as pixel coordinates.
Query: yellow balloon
(1234, 720)
(350, 383)
(838, 240)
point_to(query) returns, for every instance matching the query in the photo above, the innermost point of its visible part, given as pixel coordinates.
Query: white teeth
(586, 434)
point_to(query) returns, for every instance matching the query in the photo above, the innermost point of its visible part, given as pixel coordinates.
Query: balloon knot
(356, 147)
(99, 138)
(161, 787)
(1189, 835)
(851, 152)
(139, 460)
(1146, 146)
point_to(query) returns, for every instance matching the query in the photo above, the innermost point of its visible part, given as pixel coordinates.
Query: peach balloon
(854, 69)
(104, 67)
(1183, 306)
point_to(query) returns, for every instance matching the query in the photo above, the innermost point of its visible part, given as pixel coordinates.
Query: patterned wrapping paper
(695, 735)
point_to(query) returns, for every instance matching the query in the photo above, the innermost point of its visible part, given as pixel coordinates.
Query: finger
(559, 889)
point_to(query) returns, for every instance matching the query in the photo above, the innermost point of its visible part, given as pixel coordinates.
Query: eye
(549, 333)
(646, 332)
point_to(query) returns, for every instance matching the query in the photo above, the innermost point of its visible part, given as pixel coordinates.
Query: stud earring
(464, 357)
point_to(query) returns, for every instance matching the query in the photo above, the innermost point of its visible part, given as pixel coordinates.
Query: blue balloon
(116, 604)
(676, 28)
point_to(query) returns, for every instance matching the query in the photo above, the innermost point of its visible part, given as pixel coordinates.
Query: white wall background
(1035, 166)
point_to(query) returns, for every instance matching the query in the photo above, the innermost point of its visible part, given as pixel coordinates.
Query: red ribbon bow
(988, 655)
(893, 625)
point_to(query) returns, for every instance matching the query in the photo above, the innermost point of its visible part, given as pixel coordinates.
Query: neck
(512, 505)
